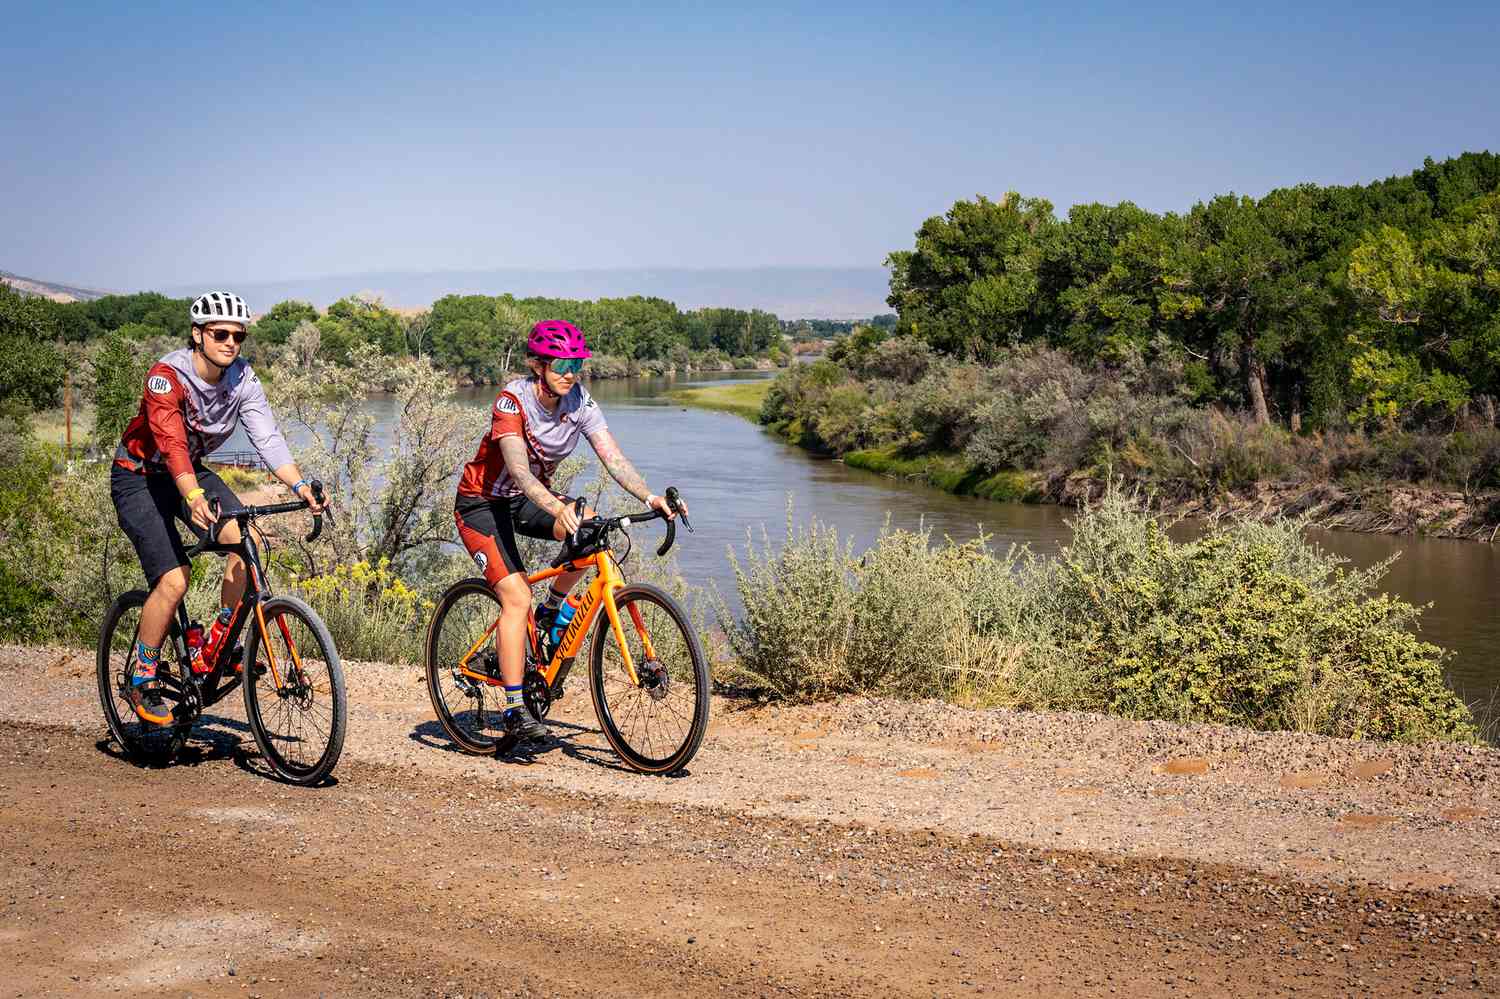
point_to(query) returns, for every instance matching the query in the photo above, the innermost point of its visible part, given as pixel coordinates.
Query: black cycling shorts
(146, 503)
(488, 528)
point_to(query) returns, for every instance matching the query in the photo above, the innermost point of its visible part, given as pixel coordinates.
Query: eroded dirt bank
(860, 849)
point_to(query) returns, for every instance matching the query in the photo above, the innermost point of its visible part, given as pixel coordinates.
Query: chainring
(536, 694)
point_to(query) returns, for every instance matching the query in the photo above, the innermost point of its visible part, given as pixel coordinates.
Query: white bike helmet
(219, 307)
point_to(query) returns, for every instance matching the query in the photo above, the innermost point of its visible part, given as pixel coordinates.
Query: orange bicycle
(647, 674)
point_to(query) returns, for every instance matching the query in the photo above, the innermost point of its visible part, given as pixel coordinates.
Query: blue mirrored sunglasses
(567, 365)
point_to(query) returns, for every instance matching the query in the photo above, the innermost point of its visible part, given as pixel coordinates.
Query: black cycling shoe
(146, 699)
(519, 723)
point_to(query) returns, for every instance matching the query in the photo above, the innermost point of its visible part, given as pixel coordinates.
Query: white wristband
(650, 497)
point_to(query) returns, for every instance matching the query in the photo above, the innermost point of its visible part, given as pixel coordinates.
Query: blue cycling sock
(513, 698)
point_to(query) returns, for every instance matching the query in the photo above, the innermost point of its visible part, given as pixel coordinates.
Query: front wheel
(294, 692)
(144, 741)
(656, 722)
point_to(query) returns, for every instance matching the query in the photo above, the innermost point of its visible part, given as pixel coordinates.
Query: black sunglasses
(221, 335)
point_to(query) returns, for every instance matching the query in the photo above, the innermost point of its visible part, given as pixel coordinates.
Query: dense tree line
(476, 336)
(804, 329)
(1312, 306)
(481, 336)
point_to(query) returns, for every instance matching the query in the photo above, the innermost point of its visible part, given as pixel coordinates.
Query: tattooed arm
(513, 450)
(619, 467)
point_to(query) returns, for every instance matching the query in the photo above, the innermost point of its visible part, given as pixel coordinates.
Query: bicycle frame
(205, 688)
(600, 592)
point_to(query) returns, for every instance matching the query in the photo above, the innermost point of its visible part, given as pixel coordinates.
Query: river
(738, 478)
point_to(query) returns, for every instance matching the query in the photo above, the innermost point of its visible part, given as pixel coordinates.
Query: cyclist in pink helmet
(536, 422)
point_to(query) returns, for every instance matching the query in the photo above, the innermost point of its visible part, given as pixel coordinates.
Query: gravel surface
(863, 847)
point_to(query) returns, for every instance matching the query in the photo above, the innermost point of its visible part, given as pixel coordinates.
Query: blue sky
(171, 145)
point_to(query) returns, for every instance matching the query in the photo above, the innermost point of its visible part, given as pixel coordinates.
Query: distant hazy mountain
(48, 289)
(789, 292)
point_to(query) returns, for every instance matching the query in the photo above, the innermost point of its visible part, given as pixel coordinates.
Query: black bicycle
(288, 667)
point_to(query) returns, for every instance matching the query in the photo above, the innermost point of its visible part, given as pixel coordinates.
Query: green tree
(276, 324)
(31, 367)
(119, 374)
(970, 286)
(1429, 330)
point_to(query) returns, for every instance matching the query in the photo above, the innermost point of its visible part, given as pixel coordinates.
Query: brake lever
(578, 507)
(317, 490)
(674, 500)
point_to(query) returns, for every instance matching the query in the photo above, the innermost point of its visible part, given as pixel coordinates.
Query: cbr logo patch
(483, 562)
(159, 384)
(506, 404)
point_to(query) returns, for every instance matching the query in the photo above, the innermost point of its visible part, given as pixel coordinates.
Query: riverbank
(1387, 508)
(1379, 508)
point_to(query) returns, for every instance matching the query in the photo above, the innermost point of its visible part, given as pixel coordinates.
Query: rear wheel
(299, 724)
(657, 721)
(141, 740)
(470, 710)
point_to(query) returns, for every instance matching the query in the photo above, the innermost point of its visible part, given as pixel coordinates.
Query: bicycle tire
(691, 675)
(297, 694)
(154, 745)
(447, 638)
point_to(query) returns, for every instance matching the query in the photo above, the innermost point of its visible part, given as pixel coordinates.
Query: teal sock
(225, 613)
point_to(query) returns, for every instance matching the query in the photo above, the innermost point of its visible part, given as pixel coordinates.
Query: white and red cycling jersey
(549, 436)
(182, 418)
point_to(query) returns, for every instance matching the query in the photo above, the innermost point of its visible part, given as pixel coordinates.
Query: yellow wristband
(194, 494)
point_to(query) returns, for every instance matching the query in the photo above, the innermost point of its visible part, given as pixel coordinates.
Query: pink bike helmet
(555, 338)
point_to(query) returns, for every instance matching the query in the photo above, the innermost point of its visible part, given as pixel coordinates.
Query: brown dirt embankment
(1384, 509)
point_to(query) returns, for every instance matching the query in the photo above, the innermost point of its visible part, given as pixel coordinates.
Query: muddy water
(738, 478)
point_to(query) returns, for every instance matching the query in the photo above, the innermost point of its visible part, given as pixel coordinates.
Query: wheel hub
(654, 679)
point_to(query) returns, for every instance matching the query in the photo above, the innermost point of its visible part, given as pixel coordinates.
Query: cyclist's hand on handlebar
(660, 503)
(569, 519)
(202, 512)
(307, 495)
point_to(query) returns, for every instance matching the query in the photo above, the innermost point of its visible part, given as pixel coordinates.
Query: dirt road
(854, 850)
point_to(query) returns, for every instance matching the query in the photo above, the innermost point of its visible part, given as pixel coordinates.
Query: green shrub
(1250, 625)
(371, 613)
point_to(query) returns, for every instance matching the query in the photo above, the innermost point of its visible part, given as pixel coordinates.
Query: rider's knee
(173, 583)
(229, 534)
(514, 594)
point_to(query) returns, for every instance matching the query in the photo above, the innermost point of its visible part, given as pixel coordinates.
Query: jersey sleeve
(164, 400)
(506, 418)
(590, 418)
(260, 424)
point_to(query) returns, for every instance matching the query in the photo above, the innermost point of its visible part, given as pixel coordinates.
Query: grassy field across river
(740, 398)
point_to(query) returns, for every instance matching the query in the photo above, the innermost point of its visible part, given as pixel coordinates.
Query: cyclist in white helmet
(192, 400)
